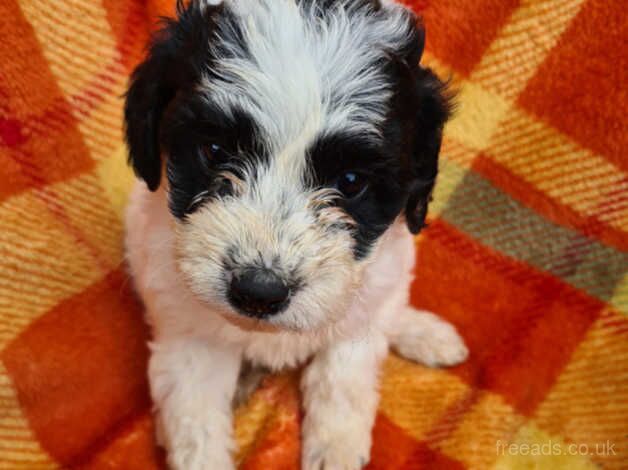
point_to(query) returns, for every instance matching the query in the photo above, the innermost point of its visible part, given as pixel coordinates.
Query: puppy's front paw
(188, 456)
(335, 446)
(427, 339)
(191, 454)
(188, 446)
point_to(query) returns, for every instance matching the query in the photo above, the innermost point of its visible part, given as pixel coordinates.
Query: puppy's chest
(278, 351)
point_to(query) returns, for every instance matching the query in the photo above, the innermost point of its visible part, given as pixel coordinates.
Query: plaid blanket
(526, 252)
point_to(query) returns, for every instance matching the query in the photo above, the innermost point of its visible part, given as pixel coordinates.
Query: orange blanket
(527, 250)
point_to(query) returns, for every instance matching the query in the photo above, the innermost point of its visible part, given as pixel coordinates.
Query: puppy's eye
(212, 151)
(352, 184)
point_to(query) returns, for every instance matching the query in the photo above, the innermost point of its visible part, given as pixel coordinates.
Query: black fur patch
(381, 203)
(191, 128)
(178, 55)
(402, 169)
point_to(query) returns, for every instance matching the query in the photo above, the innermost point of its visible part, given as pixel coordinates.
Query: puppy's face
(292, 135)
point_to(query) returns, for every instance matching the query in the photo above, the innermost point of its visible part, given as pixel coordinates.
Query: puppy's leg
(192, 384)
(340, 397)
(423, 337)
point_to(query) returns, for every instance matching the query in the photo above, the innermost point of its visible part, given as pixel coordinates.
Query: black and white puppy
(287, 146)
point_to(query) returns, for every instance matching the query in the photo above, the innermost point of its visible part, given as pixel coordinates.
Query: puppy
(288, 150)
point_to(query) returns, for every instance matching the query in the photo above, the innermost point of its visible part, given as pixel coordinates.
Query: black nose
(258, 292)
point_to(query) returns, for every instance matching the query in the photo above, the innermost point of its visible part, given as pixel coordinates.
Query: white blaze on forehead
(299, 74)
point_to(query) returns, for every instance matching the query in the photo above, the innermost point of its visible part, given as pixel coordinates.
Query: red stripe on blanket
(36, 153)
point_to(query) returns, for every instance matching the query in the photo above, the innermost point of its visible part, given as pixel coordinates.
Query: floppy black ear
(146, 100)
(175, 59)
(433, 108)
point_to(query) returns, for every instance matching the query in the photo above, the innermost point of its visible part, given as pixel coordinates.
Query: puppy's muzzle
(258, 292)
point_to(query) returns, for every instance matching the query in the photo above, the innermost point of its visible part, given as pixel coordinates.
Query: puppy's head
(291, 135)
